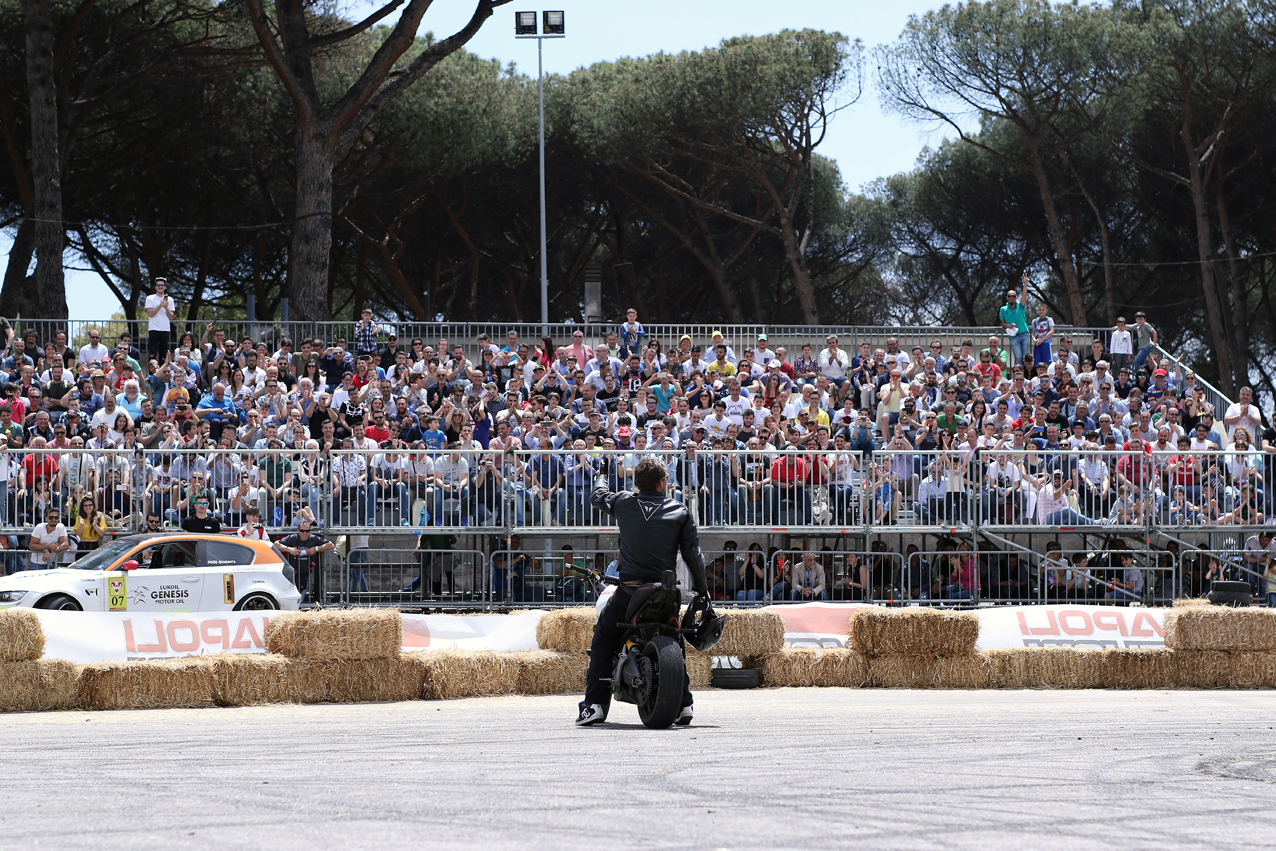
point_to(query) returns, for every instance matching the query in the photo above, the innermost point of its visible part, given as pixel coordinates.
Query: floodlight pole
(540, 96)
(532, 31)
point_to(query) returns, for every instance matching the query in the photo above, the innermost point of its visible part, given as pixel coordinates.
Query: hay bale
(918, 671)
(878, 631)
(188, 682)
(1191, 602)
(21, 636)
(39, 685)
(338, 635)
(550, 672)
(567, 630)
(1044, 667)
(450, 674)
(253, 679)
(750, 632)
(802, 667)
(699, 669)
(1220, 628)
(386, 680)
(1221, 669)
(1136, 669)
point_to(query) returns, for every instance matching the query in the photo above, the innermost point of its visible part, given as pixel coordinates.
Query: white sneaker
(590, 715)
(684, 717)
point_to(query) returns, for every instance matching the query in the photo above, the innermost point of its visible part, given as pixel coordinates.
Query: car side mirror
(129, 565)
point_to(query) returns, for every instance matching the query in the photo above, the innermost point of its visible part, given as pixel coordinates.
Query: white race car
(176, 572)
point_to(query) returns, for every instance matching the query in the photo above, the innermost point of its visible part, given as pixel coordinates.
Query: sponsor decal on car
(117, 593)
(228, 588)
(170, 594)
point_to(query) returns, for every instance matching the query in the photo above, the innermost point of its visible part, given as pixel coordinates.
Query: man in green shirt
(276, 475)
(948, 420)
(1014, 318)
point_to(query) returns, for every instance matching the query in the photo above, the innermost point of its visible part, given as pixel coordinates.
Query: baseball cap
(1160, 372)
(624, 432)
(684, 337)
(775, 364)
(762, 336)
(716, 333)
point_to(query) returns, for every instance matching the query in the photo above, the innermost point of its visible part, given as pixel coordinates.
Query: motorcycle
(650, 670)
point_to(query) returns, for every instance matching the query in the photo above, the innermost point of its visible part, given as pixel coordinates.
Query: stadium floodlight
(524, 23)
(553, 23)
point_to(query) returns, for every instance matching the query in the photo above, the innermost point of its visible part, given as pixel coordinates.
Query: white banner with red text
(121, 636)
(826, 625)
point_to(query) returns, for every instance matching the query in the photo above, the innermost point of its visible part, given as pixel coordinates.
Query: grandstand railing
(835, 492)
(738, 337)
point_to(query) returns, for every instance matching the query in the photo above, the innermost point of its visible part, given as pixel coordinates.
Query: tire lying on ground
(1231, 593)
(735, 678)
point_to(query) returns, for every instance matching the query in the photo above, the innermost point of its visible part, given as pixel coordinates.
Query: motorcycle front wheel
(664, 671)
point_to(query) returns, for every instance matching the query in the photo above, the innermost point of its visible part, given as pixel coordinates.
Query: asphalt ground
(785, 768)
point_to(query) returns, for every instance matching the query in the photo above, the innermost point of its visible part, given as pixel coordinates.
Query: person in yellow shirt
(819, 416)
(89, 526)
(725, 367)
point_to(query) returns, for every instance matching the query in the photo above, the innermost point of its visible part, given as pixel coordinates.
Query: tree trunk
(1205, 254)
(1239, 336)
(801, 275)
(16, 294)
(312, 230)
(1076, 302)
(48, 297)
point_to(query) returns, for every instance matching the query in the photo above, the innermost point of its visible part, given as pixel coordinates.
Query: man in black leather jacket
(653, 530)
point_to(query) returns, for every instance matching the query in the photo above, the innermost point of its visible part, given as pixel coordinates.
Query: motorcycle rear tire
(665, 702)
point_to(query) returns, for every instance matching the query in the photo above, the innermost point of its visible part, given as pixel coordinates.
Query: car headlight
(11, 596)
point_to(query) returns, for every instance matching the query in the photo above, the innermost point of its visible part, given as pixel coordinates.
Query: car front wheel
(60, 602)
(256, 603)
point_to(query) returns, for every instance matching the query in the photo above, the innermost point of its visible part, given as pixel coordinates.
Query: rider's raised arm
(602, 497)
(689, 546)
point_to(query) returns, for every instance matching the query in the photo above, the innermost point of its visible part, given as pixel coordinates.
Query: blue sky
(865, 142)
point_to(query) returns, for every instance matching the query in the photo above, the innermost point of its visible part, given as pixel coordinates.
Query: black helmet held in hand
(701, 625)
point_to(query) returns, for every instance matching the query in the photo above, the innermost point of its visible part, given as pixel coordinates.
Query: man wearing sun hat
(718, 340)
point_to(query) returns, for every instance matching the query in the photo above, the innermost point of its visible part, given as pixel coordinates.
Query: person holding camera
(253, 527)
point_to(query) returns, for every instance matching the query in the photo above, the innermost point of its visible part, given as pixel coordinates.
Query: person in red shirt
(790, 474)
(1185, 469)
(782, 355)
(38, 464)
(987, 367)
(378, 429)
(1137, 468)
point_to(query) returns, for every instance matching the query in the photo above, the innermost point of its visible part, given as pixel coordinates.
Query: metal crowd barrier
(738, 337)
(1246, 563)
(553, 577)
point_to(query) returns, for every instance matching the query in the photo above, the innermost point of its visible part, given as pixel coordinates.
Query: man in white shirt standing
(94, 352)
(1243, 414)
(833, 364)
(160, 311)
(47, 541)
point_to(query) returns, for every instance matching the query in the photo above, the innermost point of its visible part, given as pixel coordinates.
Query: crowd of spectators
(953, 570)
(1021, 429)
